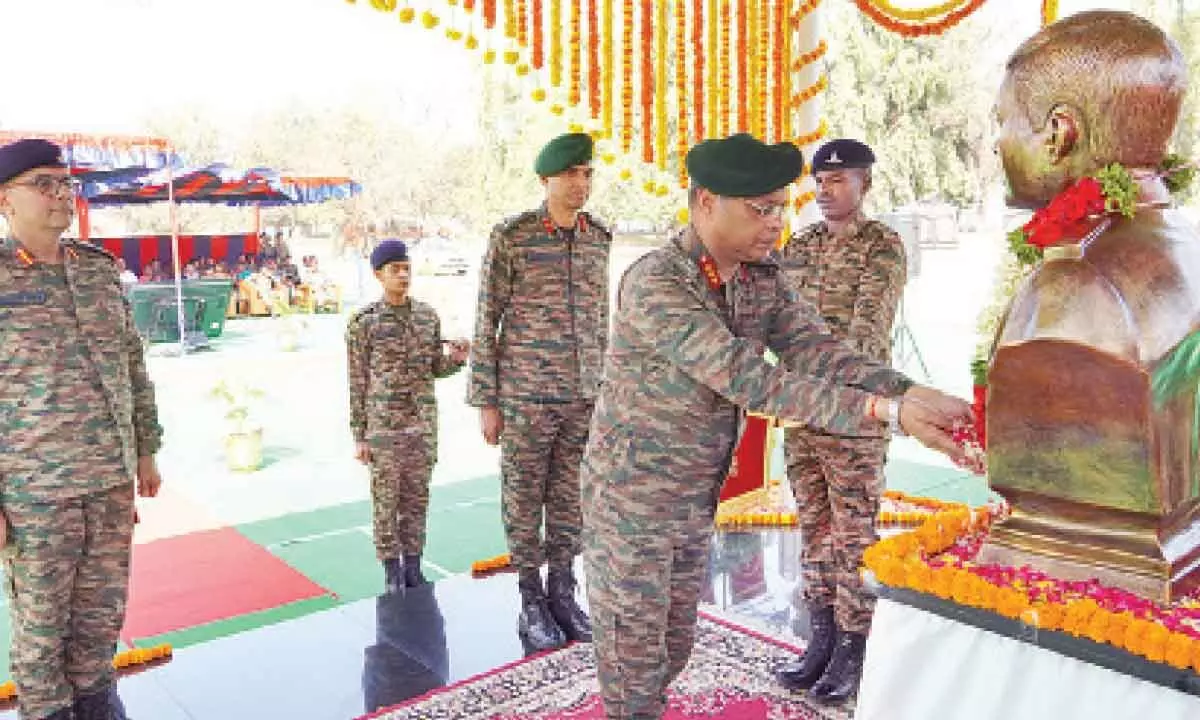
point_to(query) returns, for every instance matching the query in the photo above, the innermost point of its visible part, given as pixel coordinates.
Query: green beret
(562, 153)
(744, 166)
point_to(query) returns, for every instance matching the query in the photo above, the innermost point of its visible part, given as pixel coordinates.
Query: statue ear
(1064, 126)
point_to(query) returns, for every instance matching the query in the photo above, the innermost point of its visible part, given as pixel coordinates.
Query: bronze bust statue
(1093, 421)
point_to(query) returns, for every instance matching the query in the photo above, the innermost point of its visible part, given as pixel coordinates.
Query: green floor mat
(241, 623)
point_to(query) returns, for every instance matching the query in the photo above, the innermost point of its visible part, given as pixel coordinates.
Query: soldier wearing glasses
(685, 361)
(78, 430)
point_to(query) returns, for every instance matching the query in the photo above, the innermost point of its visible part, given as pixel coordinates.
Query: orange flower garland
(491, 565)
(647, 72)
(576, 56)
(123, 660)
(917, 29)
(751, 71)
(697, 98)
(681, 86)
(723, 26)
(536, 38)
(555, 43)
(627, 76)
(779, 71)
(489, 14)
(811, 56)
(593, 46)
(469, 6)
(660, 84)
(763, 66)
(810, 92)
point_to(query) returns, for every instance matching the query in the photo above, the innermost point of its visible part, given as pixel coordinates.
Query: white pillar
(808, 116)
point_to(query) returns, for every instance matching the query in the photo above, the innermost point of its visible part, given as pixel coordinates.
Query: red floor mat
(201, 577)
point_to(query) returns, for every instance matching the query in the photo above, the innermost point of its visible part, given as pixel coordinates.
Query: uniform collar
(13, 247)
(581, 222)
(851, 228)
(690, 244)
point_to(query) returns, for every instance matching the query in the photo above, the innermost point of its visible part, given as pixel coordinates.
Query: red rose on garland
(1067, 214)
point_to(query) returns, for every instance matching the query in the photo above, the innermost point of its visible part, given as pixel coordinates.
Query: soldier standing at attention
(394, 354)
(78, 427)
(684, 364)
(852, 270)
(540, 332)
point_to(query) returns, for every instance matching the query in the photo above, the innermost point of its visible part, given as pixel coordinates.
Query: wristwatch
(893, 410)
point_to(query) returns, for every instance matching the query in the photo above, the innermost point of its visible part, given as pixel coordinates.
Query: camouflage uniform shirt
(76, 403)
(394, 354)
(686, 358)
(855, 280)
(542, 316)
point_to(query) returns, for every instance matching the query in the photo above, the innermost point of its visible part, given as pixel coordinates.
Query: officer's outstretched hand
(930, 416)
(492, 424)
(148, 479)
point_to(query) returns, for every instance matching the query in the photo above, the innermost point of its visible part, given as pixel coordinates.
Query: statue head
(1092, 89)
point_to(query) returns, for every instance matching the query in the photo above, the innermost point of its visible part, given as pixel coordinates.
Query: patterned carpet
(729, 676)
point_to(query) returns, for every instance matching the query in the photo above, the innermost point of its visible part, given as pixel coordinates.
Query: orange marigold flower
(1178, 652)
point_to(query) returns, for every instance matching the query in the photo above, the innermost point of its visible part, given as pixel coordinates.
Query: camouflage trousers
(67, 579)
(837, 483)
(644, 580)
(541, 448)
(401, 469)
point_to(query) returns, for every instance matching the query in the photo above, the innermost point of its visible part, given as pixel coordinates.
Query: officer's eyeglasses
(52, 185)
(766, 211)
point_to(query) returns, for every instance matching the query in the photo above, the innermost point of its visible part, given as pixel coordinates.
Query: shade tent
(138, 250)
(214, 184)
(106, 151)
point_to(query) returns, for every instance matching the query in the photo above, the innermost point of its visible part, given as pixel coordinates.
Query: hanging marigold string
(610, 62)
(811, 56)
(916, 15)
(751, 62)
(489, 14)
(510, 19)
(916, 29)
(1049, 12)
(682, 135)
(555, 43)
(810, 92)
(723, 119)
(536, 37)
(469, 5)
(779, 71)
(743, 58)
(593, 46)
(627, 76)
(573, 47)
(384, 5)
(523, 22)
(763, 65)
(698, 69)
(661, 31)
(647, 72)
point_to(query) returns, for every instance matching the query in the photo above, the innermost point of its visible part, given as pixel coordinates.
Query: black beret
(388, 251)
(562, 153)
(24, 155)
(744, 166)
(842, 154)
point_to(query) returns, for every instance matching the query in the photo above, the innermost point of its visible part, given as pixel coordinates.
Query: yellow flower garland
(555, 43)
(712, 124)
(610, 55)
(917, 14)
(660, 84)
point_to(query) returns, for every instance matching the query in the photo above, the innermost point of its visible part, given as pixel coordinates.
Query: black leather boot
(560, 586)
(104, 704)
(393, 575)
(841, 678)
(803, 673)
(535, 625)
(412, 571)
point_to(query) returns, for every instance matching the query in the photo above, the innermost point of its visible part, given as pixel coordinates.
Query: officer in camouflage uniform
(540, 334)
(395, 351)
(78, 426)
(685, 362)
(852, 270)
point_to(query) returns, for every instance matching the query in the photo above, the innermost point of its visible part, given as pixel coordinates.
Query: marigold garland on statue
(916, 15)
